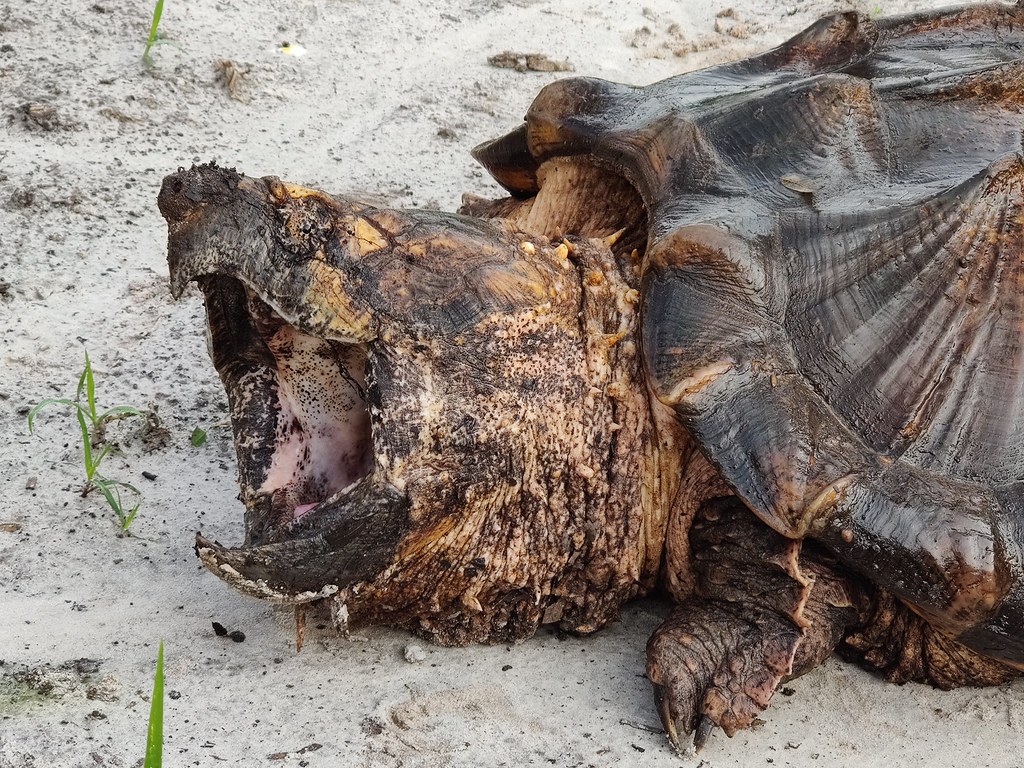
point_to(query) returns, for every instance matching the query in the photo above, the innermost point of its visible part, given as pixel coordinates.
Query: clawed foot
(712, 666)
(764, 611)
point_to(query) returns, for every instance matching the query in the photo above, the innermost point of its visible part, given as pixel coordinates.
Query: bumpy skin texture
(514, 471)
(814, 258)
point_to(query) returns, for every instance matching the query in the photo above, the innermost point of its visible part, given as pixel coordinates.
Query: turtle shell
(833, 287)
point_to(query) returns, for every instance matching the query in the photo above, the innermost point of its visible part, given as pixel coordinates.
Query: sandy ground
(386, 102)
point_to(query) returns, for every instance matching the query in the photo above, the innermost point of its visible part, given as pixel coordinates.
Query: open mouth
(298, 403)
(316, 519)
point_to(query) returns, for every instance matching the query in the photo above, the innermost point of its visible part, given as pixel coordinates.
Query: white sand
(387, 101)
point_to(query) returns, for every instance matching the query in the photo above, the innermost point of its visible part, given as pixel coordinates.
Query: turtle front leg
(764, 611)
(712, 664)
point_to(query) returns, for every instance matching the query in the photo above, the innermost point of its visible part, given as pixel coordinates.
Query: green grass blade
(111, 492)
(90, 423)
(123, 484)
(99, 459)
(49, 401)
(81, 379)
(90, 389)
(111, 495)
(155, 736)
(157, 13)
(90, 468)
(118, 412)
(130, 517)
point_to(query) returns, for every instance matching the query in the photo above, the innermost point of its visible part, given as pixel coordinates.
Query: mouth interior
(318, 421)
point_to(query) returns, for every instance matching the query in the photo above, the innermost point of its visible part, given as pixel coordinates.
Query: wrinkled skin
(751, 333)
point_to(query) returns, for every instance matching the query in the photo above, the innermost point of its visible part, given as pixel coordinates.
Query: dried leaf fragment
(41, 116)
(528, 62)
(230, 75)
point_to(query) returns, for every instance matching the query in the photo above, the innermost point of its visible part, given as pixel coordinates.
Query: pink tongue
(302, 509)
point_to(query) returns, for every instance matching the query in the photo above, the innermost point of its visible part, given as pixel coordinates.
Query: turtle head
(439, 420)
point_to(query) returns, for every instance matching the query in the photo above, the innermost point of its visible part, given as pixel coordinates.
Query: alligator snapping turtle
(752, 333)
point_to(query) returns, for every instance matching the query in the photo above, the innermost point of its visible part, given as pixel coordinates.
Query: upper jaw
(195, 204)
(290, 246)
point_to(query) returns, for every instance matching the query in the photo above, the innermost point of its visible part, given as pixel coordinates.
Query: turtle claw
(703, 733)
(686, 740)
(713, 665)
(668, 720)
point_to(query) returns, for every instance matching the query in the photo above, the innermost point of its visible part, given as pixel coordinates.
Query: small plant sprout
(92, 425)
(155, 736)
(158, 10)
(198, 437)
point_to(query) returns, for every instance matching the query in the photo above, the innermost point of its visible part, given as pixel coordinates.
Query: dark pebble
(238, 636)
(86, 666)
(218, 629)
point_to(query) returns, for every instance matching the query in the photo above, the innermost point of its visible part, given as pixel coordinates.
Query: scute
(909, 323)
(832, 287)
